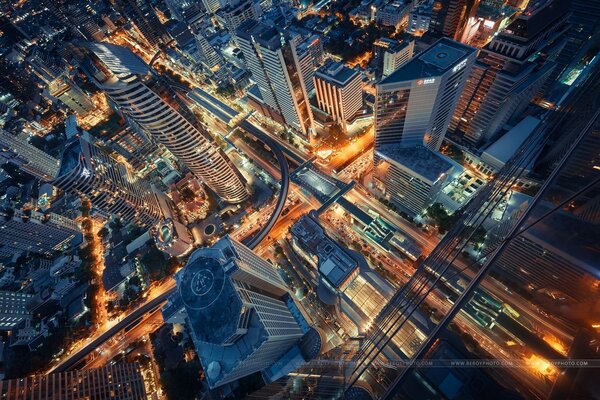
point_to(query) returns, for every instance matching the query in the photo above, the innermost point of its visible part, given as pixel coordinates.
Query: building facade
(150, 103)
(272, 58)
(237, 306)
(339, 91)
(235, 13)
(27, 157)
(415, 103)
(411, 178)
(510, 71)
(113, 382)
(89, 172)
(13, 309)
(449, 17)
(32, 231)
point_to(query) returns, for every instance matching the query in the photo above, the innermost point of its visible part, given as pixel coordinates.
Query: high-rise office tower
(238, 310)
(210, 58)
(212, 6)
(510, 71)
(339, 91)
(415, 103)
(112, 382)
(449, 17)
(141, 13)
(27, 157)
(150, 103)
(32, 231)
(310, 57)
(272, 59)
(88, 171)
(236, 12)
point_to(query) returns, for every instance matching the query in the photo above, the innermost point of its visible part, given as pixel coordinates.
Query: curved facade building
(128, 81)
(89, 172)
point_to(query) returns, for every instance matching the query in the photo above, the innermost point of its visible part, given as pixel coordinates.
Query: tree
(116, 224)
(478, 236)
(102, 233)
(443, 220)
(187, 194)
(155, 263)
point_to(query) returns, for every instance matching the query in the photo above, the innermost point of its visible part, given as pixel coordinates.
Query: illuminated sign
(459, 66)
(425, 81)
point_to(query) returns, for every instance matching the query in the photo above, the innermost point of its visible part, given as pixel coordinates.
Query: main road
(134, 317)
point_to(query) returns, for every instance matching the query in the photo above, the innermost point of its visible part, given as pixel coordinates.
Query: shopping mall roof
(499, 152)
(336, 264)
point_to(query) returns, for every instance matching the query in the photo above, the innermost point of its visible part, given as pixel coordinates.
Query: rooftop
(504, 148)
(118, 59)
(211, 301)
(265, 35)
(442, 56)
(336, 264)
(337, 72)
(428, 164)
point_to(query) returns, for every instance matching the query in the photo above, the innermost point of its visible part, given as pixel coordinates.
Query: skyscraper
(310, 57)
(150, 103)
(88, 171)
(510, 71)
(272, 58)
(396, 55)
(236, 12)
(449, 17)
(415, 103)
(238, 310)
(339, 91)
(584, 28)
(27, 157)
(32, 231)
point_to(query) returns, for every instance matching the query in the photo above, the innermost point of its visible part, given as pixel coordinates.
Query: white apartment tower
(339, 91)
(131, 85)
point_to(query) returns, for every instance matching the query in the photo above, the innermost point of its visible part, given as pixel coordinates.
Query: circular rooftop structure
(211, 301)
(311, 344)
(202, 283)
(357, 393)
